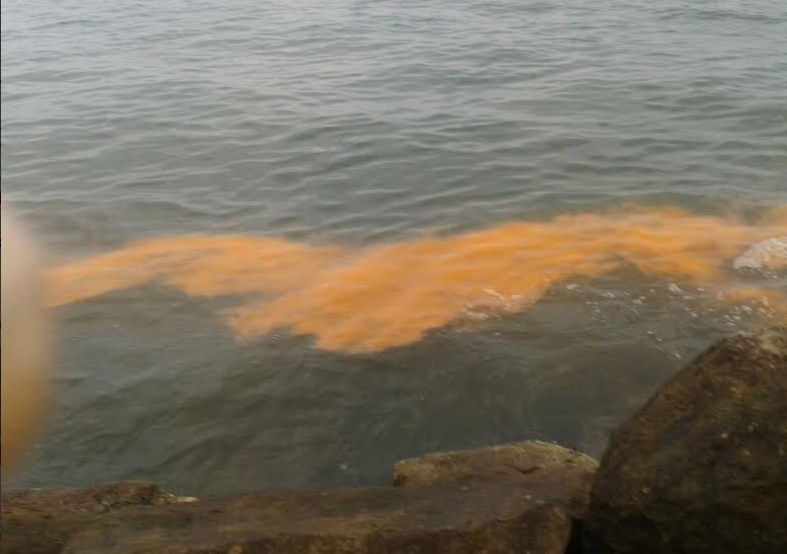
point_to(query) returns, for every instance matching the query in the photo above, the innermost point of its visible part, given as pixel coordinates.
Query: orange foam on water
(386, 296)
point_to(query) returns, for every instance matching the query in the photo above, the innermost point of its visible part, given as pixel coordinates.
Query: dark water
(365, 123)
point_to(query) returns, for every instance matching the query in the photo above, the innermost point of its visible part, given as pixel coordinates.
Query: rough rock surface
(43, 521)
(491, 509)
(702, 467)
(550, 471)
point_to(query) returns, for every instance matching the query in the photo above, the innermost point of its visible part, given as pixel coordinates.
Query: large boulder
(702, 467)
(493, 504)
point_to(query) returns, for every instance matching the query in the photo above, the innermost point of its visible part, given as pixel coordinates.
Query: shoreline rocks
(43, 521)
(701, 468)
(480, 501)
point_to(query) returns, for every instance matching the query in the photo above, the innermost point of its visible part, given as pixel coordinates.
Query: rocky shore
(701, 468)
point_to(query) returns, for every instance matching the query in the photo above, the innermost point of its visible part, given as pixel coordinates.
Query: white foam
(768, 254)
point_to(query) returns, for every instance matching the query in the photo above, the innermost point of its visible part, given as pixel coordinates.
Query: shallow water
(444, 184)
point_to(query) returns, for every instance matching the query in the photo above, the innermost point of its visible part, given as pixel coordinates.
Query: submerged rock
(509, 499)
(702, 467)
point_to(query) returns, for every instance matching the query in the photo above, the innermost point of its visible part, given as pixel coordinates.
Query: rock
(42, 521)
(497, 500)
(551, 472)
(702, 467)
(490, 519)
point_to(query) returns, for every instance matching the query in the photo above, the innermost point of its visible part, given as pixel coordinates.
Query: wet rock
(508, 499)
(490, 519)
(42, 521)
(702, 467)
(549, 471)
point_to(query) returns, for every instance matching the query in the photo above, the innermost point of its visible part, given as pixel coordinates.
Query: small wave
(718, 14)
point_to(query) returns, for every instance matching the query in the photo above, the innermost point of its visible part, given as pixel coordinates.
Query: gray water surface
(363, 123)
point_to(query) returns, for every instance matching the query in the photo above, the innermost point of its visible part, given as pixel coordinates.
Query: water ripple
(365, 123)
